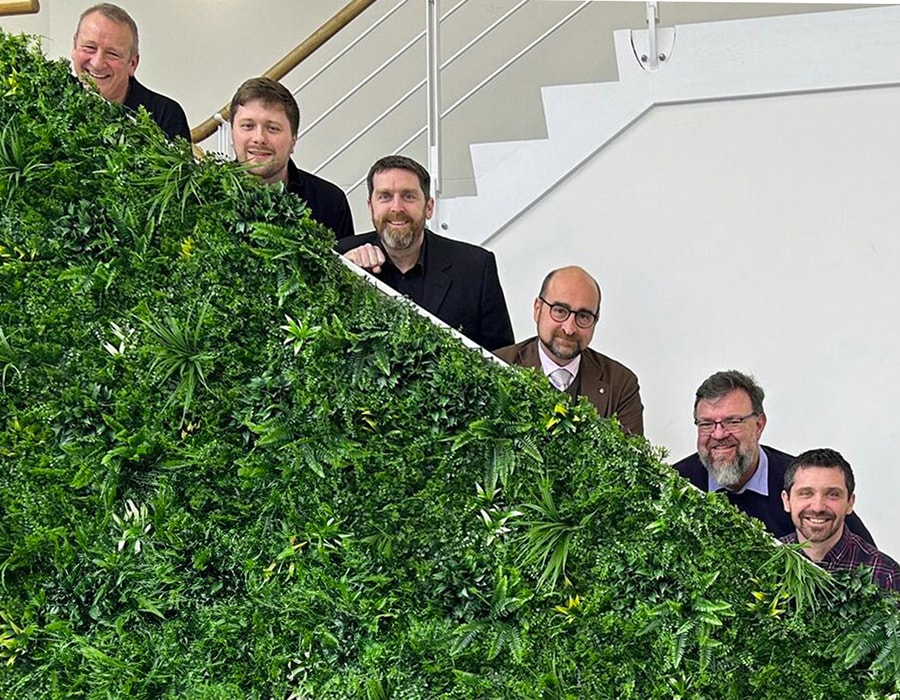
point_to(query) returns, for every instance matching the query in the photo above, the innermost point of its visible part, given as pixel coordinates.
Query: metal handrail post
(652, 24)
(433, 87)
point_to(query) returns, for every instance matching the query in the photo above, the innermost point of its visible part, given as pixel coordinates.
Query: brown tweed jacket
(609, 385)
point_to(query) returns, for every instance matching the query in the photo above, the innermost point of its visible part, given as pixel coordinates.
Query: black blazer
(163, 110)
(326, 201)
(462, 287)
(769, 508)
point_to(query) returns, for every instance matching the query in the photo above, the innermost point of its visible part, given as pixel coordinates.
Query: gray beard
(729, 474)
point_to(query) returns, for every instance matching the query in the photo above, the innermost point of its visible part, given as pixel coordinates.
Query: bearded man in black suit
(455, 281)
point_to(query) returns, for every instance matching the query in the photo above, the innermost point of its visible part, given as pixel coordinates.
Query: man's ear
(852, 501)
(429, 207)
(760, 425)
(536, 309)
(785, 501)
(133, 63)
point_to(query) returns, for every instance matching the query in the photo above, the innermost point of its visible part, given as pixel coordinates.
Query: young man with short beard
(265, 119)
(818, 495)
(457, 282)
(729, 415)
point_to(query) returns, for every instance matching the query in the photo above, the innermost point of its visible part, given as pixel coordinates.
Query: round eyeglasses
(560, 313)
(731, 424)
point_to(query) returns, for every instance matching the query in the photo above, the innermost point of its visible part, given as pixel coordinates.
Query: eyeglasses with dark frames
(560, 313)
(731, 424)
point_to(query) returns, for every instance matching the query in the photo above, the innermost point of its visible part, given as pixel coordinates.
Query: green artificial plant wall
(230, 469)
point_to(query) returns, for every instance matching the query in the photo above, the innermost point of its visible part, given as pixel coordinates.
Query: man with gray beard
(455, 281)
(729, 415)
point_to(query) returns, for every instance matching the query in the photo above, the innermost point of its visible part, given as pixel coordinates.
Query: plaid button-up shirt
(851, 552)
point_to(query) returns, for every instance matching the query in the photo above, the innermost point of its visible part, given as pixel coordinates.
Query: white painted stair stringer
(710, 61)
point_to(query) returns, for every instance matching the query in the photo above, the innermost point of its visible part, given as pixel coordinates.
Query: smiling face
(819, 502)
(574, 289)
(262, 139)
(399, 208)
(731, 456)
(103, 51)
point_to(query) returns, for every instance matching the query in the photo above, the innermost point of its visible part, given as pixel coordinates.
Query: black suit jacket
(769, 508)
(461, 287)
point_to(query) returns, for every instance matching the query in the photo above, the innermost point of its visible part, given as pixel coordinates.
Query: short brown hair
(825, 458)
(399, 163)
(269, 92)
(115, 14)
(717, 385)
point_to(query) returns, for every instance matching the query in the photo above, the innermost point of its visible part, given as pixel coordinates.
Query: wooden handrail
(293, 59)
(18, 7)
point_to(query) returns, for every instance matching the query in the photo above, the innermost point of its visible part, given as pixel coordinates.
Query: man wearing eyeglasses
(728, 413)
(566, 313)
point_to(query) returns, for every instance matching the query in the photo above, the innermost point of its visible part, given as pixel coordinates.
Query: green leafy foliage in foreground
(229, 469)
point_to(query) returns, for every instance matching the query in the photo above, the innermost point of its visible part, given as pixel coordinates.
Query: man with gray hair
(105, 52)
(729, 415)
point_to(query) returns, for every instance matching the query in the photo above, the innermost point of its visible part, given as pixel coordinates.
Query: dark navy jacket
(769, 508)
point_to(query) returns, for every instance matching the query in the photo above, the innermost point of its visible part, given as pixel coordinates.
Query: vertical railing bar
(652, 24)
(223, 132)
(362, 132)
(433, 90)
(365, 81)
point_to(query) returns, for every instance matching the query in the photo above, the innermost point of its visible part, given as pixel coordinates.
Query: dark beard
(562, 353)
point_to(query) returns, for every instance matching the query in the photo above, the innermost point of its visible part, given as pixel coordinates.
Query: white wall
(199, 51)
(754, 234)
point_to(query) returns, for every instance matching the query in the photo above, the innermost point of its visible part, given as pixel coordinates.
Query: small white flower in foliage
(134, 524)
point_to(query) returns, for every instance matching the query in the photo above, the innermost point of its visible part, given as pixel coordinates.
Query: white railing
(435, 113)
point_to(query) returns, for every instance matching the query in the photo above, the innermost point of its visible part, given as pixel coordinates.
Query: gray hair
(115, 14)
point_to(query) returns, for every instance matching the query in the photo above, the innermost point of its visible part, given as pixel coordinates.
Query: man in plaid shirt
(818, 493)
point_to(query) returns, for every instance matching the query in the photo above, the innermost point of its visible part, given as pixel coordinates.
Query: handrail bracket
(653, 47)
